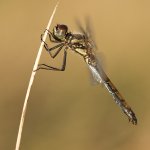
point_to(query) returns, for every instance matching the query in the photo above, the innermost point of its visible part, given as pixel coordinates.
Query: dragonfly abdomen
(120, 100)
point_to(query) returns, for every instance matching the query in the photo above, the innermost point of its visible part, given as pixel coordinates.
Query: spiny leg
(57, 52)
(59, 46)
(47, 67)
(46, 45)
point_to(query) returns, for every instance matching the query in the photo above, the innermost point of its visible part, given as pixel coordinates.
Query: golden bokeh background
(65, 111)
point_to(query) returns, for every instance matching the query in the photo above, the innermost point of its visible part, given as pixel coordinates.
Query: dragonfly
(82, 44)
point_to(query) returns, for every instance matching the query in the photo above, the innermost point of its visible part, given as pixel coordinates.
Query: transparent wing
(88, 32)
(97, 73)
(80, 27)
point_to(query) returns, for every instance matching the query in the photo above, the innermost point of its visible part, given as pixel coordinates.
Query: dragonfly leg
(57, 52)
(59, 46)
(46, 45)
(47, 67)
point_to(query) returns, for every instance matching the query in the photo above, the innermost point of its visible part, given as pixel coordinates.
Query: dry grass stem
(31, 81)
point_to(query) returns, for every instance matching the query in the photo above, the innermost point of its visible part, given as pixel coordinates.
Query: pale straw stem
(31, 81)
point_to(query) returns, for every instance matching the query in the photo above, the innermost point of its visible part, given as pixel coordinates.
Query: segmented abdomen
(120, 100)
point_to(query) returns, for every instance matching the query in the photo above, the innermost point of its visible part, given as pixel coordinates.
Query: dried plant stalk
(31, 81)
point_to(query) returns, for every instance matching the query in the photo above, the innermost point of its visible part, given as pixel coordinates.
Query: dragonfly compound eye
(60, 31)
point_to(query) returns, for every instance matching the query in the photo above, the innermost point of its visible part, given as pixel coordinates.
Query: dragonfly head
(60, 31)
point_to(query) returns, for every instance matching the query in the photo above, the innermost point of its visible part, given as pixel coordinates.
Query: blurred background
(65, 111)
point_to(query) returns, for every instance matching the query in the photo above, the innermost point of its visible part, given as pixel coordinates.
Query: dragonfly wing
(90, 32)
(95, 74)
(80, 27)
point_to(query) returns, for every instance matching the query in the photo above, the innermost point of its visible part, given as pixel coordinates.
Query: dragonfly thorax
(60, 31)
